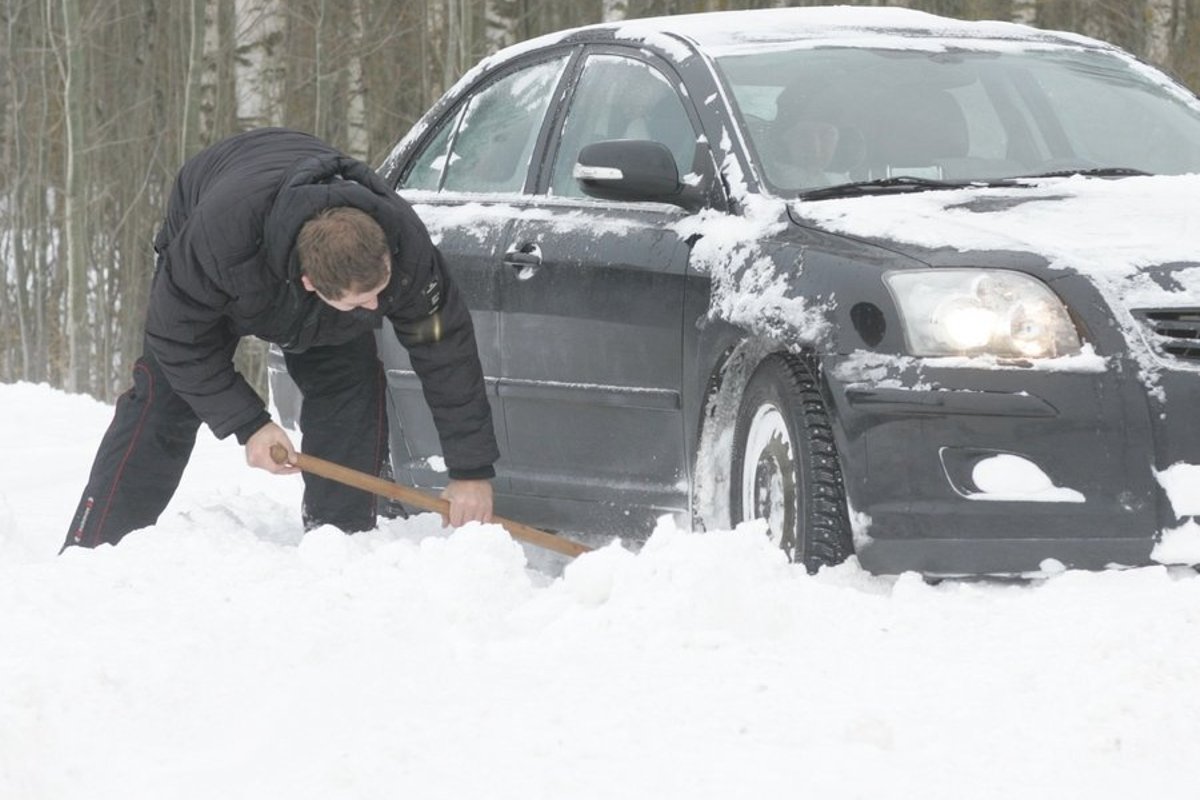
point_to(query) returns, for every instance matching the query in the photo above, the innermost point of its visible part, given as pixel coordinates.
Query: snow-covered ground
(221, 654)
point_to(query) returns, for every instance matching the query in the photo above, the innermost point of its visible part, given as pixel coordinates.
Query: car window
(491, 148)
(621, 98)
(427, 167)
(1125, 125)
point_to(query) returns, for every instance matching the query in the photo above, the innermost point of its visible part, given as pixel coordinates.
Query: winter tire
(785, 463)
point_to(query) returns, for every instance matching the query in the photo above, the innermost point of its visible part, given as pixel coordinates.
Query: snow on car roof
(726, 31)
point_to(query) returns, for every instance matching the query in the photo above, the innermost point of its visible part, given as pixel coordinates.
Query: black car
(872, 275)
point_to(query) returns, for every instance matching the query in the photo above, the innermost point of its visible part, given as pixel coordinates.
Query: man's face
(353, 300)
(811, 144)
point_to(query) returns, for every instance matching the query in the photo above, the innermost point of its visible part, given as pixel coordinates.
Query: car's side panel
(471, 254)
(590, 347)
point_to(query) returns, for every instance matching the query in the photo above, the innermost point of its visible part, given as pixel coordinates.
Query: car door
(466, 182)
(592, 306)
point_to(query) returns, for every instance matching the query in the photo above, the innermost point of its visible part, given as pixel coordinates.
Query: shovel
(421, 500)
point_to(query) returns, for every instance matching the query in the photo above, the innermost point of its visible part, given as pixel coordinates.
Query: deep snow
(222, 654)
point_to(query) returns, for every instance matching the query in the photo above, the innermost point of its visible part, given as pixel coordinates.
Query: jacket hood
(313, 185)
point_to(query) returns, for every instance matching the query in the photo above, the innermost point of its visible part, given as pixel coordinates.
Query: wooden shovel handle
(421, 500)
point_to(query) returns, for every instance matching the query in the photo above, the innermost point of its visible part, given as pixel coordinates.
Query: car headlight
(965, 312)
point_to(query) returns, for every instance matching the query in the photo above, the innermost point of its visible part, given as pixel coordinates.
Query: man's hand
(258, 450)
(470, 501)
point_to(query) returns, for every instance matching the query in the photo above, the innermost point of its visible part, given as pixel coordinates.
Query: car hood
(1137, 238)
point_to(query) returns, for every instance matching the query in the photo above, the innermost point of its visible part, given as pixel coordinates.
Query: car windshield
(820, 117)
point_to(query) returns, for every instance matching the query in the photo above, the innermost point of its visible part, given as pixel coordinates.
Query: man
(275, 234)
(805, 147)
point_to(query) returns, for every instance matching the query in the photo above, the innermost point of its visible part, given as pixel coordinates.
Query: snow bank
(223, 654)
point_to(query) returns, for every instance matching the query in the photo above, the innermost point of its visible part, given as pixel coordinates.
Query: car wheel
(785, 464)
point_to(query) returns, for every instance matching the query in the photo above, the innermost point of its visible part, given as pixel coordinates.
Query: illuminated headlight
(963, 312)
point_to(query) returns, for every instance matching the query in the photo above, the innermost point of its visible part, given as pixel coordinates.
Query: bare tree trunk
(322, 77)
(70, 57)
(1024, 12)
(194, 30)
(358, 127)
(501, 22)
(433, 43)
(614, 10)
(225, 116)
(217, 113)
(44, 289)
(449, 30)
(190, 139)
(1160, 24)
(259, 71)
(16, 220)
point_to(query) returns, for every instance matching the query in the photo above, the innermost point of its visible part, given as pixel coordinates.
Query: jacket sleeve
(434, 325)
(188, 335)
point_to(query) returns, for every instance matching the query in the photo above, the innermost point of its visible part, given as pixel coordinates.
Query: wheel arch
(727, 380)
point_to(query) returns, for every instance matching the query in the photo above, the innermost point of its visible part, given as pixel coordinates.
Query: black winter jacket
(227, 268)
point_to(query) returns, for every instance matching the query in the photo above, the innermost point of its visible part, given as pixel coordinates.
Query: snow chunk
(1086, 360)
(749, 287)
(1179, 545)
(325, 547)
(1181, 482)
(590, 579)
(1010, 477)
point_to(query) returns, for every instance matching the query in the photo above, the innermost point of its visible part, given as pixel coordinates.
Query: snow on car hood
(1110, 230)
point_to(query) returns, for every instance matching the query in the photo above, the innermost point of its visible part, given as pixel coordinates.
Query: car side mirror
(633, 170)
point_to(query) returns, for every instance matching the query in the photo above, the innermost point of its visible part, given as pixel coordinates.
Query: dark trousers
(147, 446)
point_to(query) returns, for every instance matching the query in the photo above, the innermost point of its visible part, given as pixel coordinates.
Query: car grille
(1174, 331)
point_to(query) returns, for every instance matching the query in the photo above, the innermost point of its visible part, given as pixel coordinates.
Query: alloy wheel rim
(768, 472)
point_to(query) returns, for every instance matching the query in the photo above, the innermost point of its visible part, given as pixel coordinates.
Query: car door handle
(524, 259)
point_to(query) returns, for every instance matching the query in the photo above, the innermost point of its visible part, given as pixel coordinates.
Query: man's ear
(307, 284)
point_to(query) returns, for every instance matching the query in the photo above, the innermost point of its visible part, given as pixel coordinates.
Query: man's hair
(342, 250)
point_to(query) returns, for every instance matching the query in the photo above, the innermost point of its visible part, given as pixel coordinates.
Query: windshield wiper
(1091, 172)
(912, 183)
(899, 183)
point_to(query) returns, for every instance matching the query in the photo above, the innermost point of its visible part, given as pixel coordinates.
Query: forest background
(101, 101)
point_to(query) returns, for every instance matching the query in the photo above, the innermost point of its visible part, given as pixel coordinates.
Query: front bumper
(912, 434)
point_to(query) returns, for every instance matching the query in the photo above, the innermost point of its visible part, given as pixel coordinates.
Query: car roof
(716, 33)
(726, 28)
(722, 32)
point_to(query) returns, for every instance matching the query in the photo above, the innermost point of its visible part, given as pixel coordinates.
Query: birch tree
(358, 126)
(193, 27)
(69, 53)
(502, 19)
(1024, 12)
(15, 333)
(1160, 22)
(258, 70)
(615, 10)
